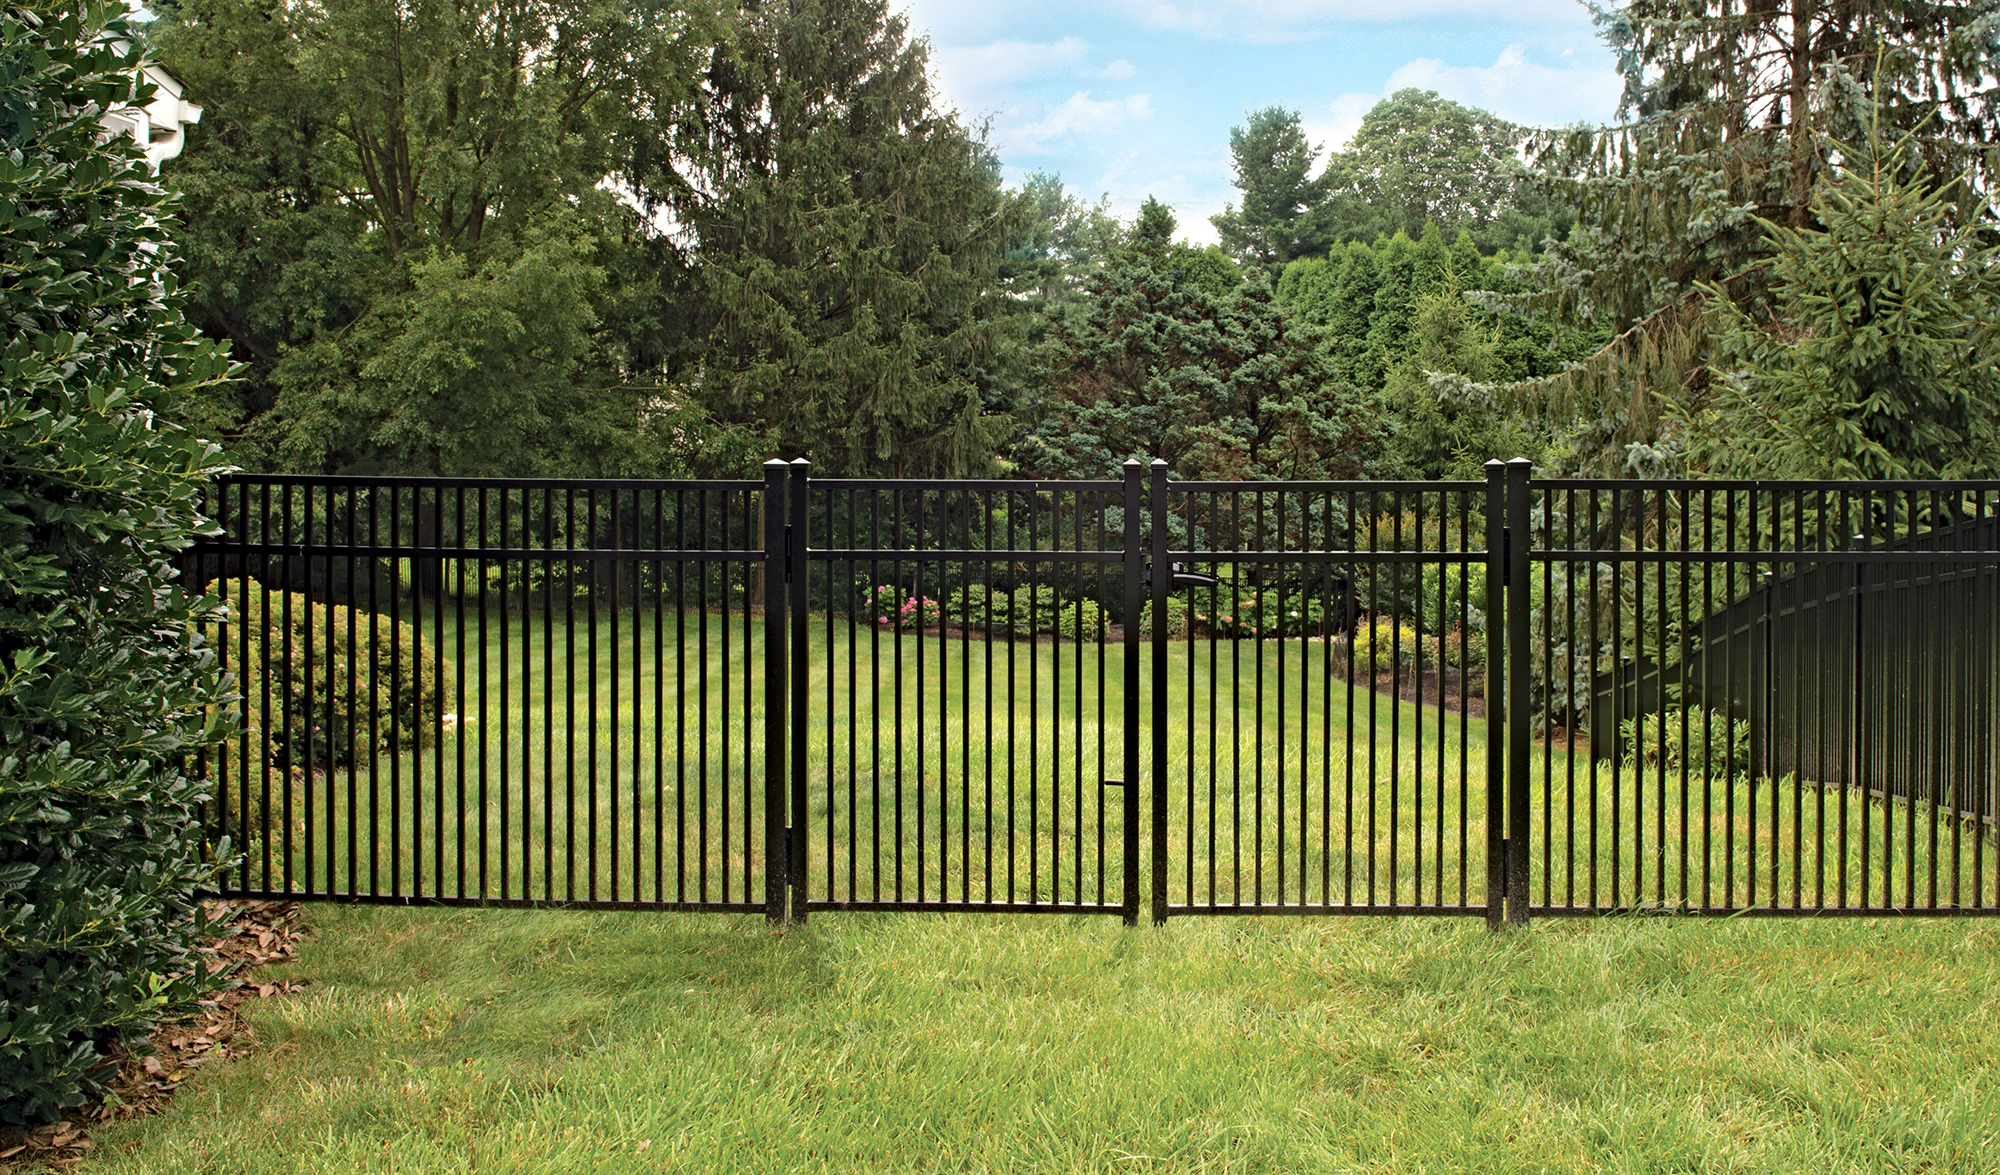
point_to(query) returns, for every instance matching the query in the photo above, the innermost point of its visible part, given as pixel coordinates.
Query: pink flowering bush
(889, 609)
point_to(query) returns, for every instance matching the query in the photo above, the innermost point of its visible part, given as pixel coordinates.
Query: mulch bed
(255, 933)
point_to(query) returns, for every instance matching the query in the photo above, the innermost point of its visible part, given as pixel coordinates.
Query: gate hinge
(788, 552)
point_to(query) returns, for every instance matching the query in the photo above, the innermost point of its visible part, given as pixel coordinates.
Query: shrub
(310, 728)
(1392, 644)
(106, 686)
(1177, 618)
(889, 608)
(1038, 611)
(1257, 613)
(393, 675)
(1724, 743)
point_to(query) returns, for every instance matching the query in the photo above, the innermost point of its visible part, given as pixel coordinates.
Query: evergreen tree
(843, 294)
(1438, 434)
(1350, 316)
(1878, 359)
(1726, 105)
(1281, 217)
(1157, 363)
(1059, 239)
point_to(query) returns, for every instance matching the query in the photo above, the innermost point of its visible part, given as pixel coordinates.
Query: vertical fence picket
(1826, 689)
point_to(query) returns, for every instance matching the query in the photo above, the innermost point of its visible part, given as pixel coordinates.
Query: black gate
(966, 695)
(1317, 729)
(1498, 698)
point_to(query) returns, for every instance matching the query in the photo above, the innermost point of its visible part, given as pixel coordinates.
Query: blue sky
(1136, 97)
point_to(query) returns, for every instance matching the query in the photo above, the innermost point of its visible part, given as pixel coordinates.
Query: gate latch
(1113, 783)
(1181, 579)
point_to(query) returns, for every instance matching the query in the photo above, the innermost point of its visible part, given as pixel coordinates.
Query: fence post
(1135, 556)
(801, 679)
(1496, 693)
(1520, 660)
(776, 661)
(1862, 759)
(1163, 582)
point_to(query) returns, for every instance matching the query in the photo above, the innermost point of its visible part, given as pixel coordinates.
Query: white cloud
(1513, 87)
(1081, 115)
(976, 77)
(1120, 70)
(1265, 21)
(1195, 186)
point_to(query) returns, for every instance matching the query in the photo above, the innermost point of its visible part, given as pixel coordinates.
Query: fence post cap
(1518, 462)
(1134, 463)
(1159, 463)
(777, 463)
(800, 463)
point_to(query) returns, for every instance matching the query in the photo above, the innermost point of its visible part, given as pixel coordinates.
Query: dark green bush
(1038, 611)
(106, 688)
(393, 674)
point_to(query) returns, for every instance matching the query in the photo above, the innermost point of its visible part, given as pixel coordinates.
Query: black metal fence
(1505, 697)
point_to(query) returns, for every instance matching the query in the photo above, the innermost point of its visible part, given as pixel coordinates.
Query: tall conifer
(1725, 105)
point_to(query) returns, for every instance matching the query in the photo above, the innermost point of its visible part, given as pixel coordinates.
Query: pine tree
(1726, 106)
(1879, 359)
(1280, 218)
(848, 229)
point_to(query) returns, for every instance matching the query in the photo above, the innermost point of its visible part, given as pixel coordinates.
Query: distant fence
(1503, 698)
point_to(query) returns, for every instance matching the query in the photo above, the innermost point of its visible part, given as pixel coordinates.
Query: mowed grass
(623, 759)
(563, 1041)
(553, 1041)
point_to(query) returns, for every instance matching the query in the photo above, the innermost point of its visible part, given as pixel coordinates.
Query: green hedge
(402, 694)
(401, 689)
(106, 687)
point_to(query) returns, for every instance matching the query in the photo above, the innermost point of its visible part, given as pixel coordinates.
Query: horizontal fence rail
(1504, 698)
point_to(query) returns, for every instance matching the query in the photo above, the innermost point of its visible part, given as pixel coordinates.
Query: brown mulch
(252, 935)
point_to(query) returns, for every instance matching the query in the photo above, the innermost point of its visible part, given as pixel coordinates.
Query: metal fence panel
(1513, 697)
(967, 737)
(493, 693)
(1763, 697)
(1321, 707)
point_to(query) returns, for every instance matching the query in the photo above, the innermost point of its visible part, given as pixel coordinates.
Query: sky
(1130, 98)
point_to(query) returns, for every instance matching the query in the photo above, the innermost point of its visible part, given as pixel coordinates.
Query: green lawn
(549, 1041)
(558, 1041)
(958, 769)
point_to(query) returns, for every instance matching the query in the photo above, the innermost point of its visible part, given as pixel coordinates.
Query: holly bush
(107, 689)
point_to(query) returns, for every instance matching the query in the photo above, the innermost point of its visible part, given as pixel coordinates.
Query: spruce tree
(847, 231)
(1877, 361)
(1725, 111)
